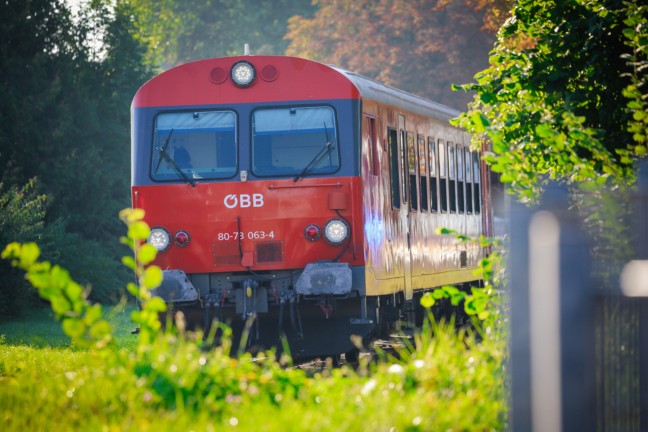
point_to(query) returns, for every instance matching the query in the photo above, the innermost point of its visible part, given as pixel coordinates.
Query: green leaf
(60, 305)
(73, 290)
(133, 289)
(146, 254)
(544, 131)
(139, 231)
(29, 253)
(100, 330)
(73, 328)
(427, 301)
(129, 262)
(479, 122)
(152, 277)
(93, 314)
(156, 304)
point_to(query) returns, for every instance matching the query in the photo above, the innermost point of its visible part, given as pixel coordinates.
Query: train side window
(423, 178)
(394, 173)
(443, 182)
(412, 168)
(373, 165)
(469, 183)
(432, 162)
(460, 179)
(452, 175)
(476, 177)
(403, 167)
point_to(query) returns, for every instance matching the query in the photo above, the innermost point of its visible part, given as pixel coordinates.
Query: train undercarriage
(274, 311)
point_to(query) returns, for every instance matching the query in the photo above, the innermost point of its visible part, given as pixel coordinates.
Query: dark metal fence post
(641, 248)
(552, 336)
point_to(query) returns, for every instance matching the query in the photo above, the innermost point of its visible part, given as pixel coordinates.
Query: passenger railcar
(302, 195)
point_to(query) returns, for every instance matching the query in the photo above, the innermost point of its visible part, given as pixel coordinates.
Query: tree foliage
(565, 96)
(420, 46)
(65, 117)
(178, 32)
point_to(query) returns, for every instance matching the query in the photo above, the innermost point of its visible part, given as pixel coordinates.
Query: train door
(406, 220)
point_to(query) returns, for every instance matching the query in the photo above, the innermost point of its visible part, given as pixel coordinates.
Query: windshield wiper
(318, 157)
(316, 160)
(164, 155)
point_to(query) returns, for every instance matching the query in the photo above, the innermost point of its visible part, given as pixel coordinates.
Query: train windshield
(294, 142)
(194, 146)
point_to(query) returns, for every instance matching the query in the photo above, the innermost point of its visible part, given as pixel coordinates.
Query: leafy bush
(21, 219)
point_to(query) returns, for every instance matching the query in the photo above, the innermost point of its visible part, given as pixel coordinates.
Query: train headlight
(243, 74)
(336, 231)
(159, 239)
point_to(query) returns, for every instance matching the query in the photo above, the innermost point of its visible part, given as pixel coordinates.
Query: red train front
(250, 173)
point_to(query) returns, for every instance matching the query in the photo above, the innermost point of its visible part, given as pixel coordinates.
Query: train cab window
(469, 182)
(394, 172)
(443, 176)
(452, 175)
(460, 180)
(476, 178)
(294, 141)
(194, 145)
(412, 168)
(432, 162)
(423, 178)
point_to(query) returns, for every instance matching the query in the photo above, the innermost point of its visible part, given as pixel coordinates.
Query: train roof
(379, 92)
(280, 78)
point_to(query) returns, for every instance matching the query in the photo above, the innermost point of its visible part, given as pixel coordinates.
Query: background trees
(422, 46)
(65, 123)
(178, 32)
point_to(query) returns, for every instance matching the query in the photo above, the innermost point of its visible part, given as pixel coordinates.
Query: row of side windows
(429, 174)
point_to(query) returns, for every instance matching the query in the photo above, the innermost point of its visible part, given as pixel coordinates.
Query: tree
(178, 32)
(566, 94)
(65, 117)
(421, 46)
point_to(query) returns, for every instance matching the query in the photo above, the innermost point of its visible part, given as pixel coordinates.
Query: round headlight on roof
(336, 231)
(159, 239)
(243, 73)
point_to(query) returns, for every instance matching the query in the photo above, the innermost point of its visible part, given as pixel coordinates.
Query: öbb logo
(243, 200)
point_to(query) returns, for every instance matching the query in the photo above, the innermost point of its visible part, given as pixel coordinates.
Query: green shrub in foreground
(171, 381)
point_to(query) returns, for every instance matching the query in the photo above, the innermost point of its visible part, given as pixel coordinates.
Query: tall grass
(174, 381)
(449, 382)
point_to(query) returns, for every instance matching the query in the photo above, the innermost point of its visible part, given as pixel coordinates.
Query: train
(300, 202)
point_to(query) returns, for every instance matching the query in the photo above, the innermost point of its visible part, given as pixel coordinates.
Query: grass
(38, 328)
(448, 383)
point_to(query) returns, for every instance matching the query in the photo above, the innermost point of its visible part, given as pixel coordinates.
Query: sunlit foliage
(566, 94)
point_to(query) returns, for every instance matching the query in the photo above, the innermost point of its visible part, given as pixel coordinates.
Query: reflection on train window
(443, 182)
(372, 151)
(394, 173)
(403, 164)
(423, 185)
(469, 186)
(194, 145)
(432, 161)
(412, 167)
(294, 141)
(460, 179)
(476, 177)
(452, 175)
